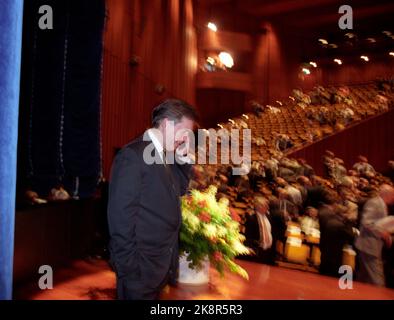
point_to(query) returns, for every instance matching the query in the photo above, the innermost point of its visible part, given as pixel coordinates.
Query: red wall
(372, 138)
(358, 72)
(161, 34)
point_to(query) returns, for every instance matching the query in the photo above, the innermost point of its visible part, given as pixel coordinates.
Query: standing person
(144, 211)
(372, 237)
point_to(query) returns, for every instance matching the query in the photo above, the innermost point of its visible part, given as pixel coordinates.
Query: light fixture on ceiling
(279, 102)
(245, 116)
(306, 71)
(365, 58)
(350, 35)
(338, 61)
(291, 98)
(212, 26)
(323, 41)
(371, 40)
(220, 126)
(231, 121)
(226, 59)
(313, 64)
(391, 53)
(333, 45)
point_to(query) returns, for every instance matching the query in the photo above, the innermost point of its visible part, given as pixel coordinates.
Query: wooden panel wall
(372, 138)
(161, 36)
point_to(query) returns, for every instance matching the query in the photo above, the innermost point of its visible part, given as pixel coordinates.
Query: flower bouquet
(210, 229)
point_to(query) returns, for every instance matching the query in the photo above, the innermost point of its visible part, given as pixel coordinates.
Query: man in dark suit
(144, 211)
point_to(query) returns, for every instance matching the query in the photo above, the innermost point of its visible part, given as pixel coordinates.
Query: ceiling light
(339, 61)
(323, 41)
(350, 35)
(226, 59)
(306, 71)
(278, 102)
(212, 26)
(333, 45)
(365, 58)
(220, 126)
(391, 53)
(313, 64)
(245, 116)
(371, 40)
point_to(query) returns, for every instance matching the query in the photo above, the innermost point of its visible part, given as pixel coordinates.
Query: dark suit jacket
(144, 216)
(334, 234)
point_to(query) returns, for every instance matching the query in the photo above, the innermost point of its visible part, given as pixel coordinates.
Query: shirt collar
(156, 142)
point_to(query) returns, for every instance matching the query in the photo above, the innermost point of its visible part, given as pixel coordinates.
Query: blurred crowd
(284, 191)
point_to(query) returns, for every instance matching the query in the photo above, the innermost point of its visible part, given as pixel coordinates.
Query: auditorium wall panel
(353, 73)
(160, 38)
(372, 138)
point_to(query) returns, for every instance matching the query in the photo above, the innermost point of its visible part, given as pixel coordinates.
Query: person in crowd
(309, 221)
(373, 236)
(258, 232)
(364, 168)
(335, 233)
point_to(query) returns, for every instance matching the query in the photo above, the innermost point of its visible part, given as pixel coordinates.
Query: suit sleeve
(124, 194)
(184, 172)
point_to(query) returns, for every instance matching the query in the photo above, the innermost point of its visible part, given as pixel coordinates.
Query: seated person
(310, 221)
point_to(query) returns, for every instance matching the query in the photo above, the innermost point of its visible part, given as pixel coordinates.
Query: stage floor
(94, 280)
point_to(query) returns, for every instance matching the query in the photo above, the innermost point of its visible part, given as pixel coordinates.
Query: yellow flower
(209, 230)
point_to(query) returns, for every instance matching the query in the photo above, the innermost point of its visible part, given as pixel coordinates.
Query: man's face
(176, 134)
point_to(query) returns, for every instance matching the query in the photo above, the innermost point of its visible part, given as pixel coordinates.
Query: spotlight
(371, 40)
(313, 64)
(365, 58)
(212, 26)
(231, 121)
(306, 71)
(245, 116)
(339, 61)
(291, 98)
(323, 41)
(391, 53)
(350, 35)
(226, 59)
(220, 126)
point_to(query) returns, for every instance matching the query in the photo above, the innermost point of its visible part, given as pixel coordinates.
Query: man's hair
(173, 110)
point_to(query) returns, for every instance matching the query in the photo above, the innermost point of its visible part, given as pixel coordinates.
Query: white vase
(188, 275)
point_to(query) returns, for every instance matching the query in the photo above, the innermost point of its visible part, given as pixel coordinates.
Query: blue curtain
(10, 56)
